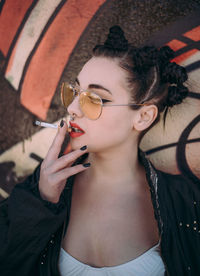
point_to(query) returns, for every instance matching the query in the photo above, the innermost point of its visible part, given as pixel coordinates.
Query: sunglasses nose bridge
(74, 106)
(77, 92)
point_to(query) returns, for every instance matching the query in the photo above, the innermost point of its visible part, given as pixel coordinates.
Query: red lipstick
(76, 130)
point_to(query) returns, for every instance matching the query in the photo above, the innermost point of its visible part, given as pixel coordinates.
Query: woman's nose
(74, 108)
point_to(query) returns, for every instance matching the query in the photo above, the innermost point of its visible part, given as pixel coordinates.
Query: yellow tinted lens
(91, 105)
(67, 94)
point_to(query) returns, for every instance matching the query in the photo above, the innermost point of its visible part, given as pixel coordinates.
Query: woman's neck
(114, 167)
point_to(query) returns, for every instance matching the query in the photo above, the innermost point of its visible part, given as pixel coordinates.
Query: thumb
(57, 142)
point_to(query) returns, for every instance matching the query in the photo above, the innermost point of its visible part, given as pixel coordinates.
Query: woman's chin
(76, 144)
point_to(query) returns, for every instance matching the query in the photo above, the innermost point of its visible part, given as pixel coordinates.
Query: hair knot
(176, 94)
(165, 54)
(116, 39)
(173, 73)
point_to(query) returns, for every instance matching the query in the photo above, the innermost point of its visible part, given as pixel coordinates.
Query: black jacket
(31, 228)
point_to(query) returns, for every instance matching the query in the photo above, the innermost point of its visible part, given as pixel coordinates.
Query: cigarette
(44, 124)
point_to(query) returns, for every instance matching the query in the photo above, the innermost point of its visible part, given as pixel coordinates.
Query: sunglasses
(90, 103)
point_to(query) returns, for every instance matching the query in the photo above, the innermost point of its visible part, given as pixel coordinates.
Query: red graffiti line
(11, 18)
(175, 44)
(51, 56)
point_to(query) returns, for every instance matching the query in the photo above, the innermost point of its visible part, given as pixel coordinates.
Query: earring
(72, 117)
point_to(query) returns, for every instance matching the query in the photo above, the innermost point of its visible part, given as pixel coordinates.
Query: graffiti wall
(45, 42)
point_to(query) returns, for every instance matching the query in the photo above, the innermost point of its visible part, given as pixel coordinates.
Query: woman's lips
(76, 130)
(74, 134)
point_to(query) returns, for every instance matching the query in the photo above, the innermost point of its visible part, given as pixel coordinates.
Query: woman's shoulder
(171, 178)
(165, 180)
(182, 177)
(178, 186)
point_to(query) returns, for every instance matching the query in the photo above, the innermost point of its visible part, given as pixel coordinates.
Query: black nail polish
(61, 123)
(86, 165)
(83, 148)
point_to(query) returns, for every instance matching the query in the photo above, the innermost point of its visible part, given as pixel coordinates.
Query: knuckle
(64, 174)
(45, 171)
(66, 158)
(75, 154)
(76, 169)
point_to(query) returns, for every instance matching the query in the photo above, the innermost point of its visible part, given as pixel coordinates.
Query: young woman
(116, 214)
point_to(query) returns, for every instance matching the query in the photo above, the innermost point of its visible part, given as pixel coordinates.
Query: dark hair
(151, 77)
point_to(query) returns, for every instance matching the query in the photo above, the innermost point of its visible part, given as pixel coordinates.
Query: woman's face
(115, 125)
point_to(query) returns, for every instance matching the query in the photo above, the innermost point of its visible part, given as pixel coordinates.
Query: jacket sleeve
(26, 224)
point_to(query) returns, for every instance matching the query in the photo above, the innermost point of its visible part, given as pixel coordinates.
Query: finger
(55, 147)
(67, 160)
(66, 173)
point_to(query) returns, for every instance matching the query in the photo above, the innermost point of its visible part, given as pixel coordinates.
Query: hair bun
(165, 54)
(176, 94)
(116, 39)
(173, 73)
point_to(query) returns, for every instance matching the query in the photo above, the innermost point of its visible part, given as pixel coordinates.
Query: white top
(147, 264)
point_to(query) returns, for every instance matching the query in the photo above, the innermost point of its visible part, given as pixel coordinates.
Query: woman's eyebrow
(95, 86)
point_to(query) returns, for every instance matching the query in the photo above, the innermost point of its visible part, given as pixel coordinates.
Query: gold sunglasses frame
(77, 93)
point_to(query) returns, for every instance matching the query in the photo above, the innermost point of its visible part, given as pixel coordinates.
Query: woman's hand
(55, 171)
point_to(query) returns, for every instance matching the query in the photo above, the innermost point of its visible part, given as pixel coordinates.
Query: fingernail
(61, 123)
(86, 165)
(83, 148)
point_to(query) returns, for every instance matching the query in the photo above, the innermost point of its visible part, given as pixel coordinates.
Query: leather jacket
(31, 229)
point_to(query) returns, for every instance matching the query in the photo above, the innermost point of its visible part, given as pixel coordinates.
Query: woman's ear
(145, 117)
